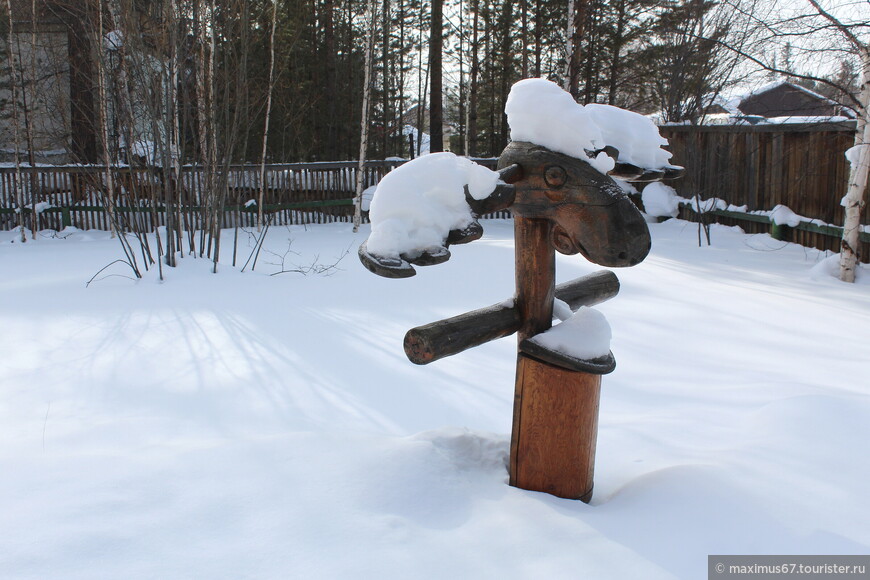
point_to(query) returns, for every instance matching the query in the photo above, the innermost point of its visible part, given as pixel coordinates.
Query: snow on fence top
(540, 112)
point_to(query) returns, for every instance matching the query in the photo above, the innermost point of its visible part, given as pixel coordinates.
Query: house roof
(786, 99)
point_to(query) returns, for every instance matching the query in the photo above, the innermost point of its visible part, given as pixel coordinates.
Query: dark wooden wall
(802, 166)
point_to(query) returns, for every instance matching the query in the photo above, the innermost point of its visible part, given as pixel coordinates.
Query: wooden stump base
(555, 428)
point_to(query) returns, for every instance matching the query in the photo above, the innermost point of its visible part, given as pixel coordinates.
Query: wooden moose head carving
(559, 203)
(587, 212)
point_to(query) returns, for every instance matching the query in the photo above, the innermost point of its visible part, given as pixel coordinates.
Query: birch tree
(471, 108)
(855, 198)
(364, 123)
(29, 104)
(269, 90)
(10, 56)
(859, 156)
(576, 20)
(816, 37)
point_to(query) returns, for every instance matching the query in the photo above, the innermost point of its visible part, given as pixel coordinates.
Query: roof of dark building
(784, 99)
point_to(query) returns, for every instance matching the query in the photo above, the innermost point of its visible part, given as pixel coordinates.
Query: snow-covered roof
(777, 84)
(779, 102)
(782, 98)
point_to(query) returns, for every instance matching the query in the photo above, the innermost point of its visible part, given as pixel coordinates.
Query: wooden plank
(753, 154)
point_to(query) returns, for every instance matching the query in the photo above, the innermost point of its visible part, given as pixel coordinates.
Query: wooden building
(56, 46)
(785, 99)
(45, 74)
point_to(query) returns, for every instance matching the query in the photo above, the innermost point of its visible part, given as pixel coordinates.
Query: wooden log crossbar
(434, 341)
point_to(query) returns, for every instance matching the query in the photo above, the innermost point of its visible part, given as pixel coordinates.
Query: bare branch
(107, 266)
(315, 267)
(768, 67)
(839, 25)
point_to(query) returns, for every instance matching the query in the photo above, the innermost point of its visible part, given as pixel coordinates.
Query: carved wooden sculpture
(559, 203)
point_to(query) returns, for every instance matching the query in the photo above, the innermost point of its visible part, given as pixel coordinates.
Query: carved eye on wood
(555, 176)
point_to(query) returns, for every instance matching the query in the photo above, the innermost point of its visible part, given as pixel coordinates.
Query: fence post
(780, 232)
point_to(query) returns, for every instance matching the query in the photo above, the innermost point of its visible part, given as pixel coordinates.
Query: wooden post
(555, 410)
(535, 262)
(555, 429)
(780, 232)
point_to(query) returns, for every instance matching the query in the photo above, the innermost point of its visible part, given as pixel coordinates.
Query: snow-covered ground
(242, 425)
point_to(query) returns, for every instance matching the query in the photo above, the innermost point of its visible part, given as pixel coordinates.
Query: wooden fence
(79, 196)
(801, 166)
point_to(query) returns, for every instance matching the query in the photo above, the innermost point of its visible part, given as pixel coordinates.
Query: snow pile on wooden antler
(540, 112)
(418, 204)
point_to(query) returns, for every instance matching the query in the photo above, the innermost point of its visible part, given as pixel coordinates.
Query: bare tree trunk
(489, 51)
(331, 77)
(506, 57)
(576, 21)
(103, 122)
(15, 128)
(173, 140)
(400, 114)
(28, 98)
(204, 120)
(462, 87)
(386, 78)
(172, 224)
(364, 118)
(422, 85)
(569, 46)
(616, 59)
(121, 23)
(524, 38)
(436, 42)
(471, 110)
(539, 35)
(268, 112)
(206, 60)
(854, 199)
(81, 75)
(28, 118)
